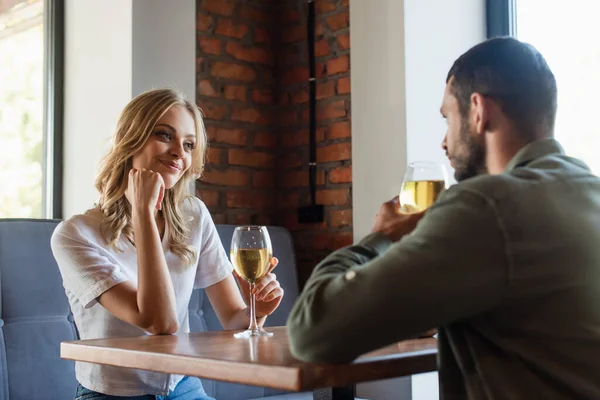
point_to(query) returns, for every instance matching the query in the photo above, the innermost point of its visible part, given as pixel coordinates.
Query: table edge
(288, 378)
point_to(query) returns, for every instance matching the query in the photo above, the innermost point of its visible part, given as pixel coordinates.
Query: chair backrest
(202, 316)
(35, 315)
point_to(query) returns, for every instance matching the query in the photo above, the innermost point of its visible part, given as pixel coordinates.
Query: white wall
(378, 128)
(378, 106)
(401, 53)
(164, 55)
(437, 32)
(114, 50)
(97, 86)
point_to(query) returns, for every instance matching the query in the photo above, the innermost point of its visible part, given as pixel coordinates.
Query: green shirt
(506, 266)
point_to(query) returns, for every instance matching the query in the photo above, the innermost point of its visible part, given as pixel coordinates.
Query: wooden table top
(258, 361)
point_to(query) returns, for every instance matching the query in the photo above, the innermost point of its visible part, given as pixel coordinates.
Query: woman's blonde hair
(134, 128)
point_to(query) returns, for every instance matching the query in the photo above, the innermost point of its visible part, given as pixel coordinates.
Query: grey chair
(35, 315)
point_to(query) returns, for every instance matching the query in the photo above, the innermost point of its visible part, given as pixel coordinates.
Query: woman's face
(168, 151)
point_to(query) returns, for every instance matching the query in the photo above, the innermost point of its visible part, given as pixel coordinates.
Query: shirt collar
(532, 151)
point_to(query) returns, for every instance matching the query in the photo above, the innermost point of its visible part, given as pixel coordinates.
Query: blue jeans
(189, 388)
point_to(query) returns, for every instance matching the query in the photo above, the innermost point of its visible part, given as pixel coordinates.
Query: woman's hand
(268, 291)
(145, 189)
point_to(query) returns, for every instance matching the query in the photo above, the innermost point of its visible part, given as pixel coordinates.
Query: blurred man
(506, 263)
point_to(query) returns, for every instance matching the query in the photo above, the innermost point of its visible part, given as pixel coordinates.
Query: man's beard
(472, 160)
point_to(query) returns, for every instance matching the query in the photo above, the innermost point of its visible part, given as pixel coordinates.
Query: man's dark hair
(516, 76)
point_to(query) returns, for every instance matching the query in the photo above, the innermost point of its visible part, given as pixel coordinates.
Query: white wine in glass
(422, 184)
(250, 255)
(251, 264)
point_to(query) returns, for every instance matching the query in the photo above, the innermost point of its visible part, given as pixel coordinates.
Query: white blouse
(89, 267)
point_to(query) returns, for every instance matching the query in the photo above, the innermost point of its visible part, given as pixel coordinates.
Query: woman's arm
(151, 306)
(230, 306)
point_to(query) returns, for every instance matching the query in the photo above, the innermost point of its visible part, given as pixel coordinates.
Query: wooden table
(263, 361)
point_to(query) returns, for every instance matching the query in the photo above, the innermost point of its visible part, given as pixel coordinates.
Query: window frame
(54, 44)
(501, 18)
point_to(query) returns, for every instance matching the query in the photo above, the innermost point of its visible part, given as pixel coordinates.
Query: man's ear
(480, 113)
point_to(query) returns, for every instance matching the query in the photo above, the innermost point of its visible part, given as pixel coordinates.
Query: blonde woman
(129, 265)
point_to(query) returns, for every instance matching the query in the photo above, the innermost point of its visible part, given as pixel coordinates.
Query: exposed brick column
(235, 76)
(253, 87)
(334, 169)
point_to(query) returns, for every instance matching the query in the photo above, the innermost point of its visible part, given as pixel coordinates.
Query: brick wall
(235, 65)
(253, 86)
(332, 55)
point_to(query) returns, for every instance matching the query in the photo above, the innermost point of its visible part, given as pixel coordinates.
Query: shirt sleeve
(86, 271)
(213, 263)
(453, 266)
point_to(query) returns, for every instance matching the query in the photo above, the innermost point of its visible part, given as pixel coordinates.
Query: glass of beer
(251, 253)
(422, 184)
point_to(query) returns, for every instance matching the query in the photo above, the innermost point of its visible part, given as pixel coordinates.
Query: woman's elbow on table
(160, 327)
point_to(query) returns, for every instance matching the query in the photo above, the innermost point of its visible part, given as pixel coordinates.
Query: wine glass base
(252, 333)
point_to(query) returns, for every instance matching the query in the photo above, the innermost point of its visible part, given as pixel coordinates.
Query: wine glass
(251, 254)
(422, 184)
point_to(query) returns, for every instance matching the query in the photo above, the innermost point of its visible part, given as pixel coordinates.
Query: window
(573, 53)
(566, 35)
(30, 108)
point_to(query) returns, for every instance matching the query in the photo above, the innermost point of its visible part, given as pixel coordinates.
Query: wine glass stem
(253, 324)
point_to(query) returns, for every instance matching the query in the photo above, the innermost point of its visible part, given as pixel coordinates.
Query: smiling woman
(169, 148)
(129, 265)
(149, 143)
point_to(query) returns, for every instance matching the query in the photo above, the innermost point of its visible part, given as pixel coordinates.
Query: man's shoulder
(543, 172)
(485, 186)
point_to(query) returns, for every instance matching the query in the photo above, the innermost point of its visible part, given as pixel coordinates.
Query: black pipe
(313, 213)
(312, 94)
